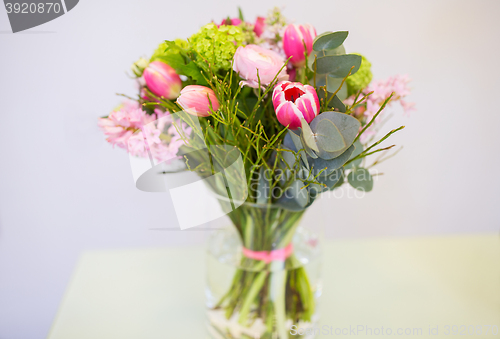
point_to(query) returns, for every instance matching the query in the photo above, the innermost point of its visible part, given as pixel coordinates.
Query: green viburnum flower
(361, 78)
(216, 45)
(163, 49)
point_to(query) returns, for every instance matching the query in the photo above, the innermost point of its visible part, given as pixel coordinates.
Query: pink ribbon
(268, 256)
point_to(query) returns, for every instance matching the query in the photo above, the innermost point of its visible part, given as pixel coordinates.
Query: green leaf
(361, 179)
(329, 40)
(174, 60)
(331, 180)
(289, 159)
(338, 66)
(297, 193)
(340, 182)
(335, 103)
(173, 45)
(347, 125)
(330, 165)
(332, 85)
(308, 150)
(357, 151)
(310, 59)
(240, 14)
(193, 71)
(308, 135)
(298, 146)
(328, 136)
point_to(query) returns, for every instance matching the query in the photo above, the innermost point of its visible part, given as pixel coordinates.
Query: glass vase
(263, 275)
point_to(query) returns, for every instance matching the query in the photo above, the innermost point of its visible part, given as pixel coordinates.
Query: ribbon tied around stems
(268, 256)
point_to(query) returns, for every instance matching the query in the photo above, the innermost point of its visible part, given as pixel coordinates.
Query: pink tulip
(293, 101)
(196, 100)
(162, 80)
(293, 42)
(252, 60)
(259, 25)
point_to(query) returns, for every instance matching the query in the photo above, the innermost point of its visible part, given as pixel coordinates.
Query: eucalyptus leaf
(308, 135)
(330, 165)
(297, 143)
(329, 40)
(357, 151)
(288, 142)
(340, 182)
(332, 85)
(313, 188)
(337, 66)
(308, 150)
(347, 125)
(310, 59)
(335, 103)
(333, 178)
(361, 179)
(328, 136)
(289, 204)
(288, 158)
(295, 194)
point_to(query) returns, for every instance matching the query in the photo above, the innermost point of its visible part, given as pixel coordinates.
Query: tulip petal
(289, 115)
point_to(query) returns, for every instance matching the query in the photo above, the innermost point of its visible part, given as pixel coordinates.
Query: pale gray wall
(64, 190)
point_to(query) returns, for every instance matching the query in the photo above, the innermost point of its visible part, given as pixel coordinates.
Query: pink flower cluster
(130, 128)
(382, 89)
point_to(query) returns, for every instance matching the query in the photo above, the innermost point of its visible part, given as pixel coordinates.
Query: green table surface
(408, 285)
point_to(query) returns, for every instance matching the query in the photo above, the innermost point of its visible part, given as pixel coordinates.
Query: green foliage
(360, 179)
(347, 126)
(337, 66)
(328, 136)
(177, 55)
(329, 40)
(332, 84)
(327, 167)
(357, 151)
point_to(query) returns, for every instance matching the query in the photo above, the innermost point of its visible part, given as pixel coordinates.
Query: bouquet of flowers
(272, 115)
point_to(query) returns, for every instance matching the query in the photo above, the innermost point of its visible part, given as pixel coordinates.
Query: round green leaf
(328, 136)
(329, 40)
(338, 66)
(337, 51)
(347, 125)
(361, 179)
